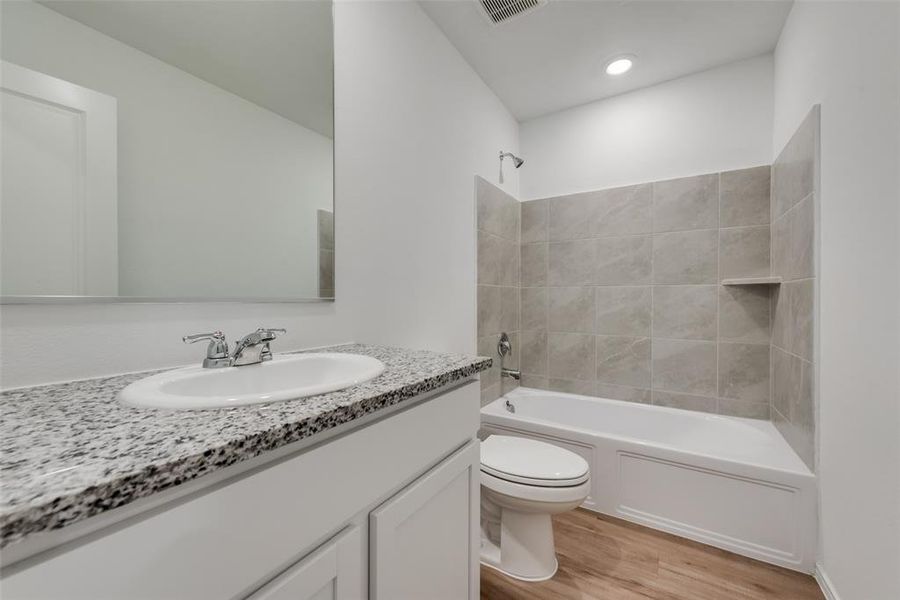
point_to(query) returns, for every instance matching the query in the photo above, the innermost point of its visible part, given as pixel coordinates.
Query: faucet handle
(216, 352)
(270, 333)
(215, 336)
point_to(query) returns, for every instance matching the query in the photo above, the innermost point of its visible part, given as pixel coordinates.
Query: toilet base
(519, 577)
(528, 552)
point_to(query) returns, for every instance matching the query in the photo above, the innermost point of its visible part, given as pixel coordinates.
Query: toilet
(523, 483)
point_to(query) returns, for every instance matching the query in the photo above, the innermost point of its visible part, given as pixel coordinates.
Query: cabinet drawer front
(332, 572)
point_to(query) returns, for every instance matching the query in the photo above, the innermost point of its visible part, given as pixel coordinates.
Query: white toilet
(523, 483)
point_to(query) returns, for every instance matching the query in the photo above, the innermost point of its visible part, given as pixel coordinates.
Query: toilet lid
(531, 462)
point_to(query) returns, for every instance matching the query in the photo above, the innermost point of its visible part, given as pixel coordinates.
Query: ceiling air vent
(501, 11)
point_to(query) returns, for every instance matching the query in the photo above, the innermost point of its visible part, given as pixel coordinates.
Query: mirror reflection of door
(58, 210)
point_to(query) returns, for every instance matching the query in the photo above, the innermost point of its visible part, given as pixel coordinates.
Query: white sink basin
(282, 378)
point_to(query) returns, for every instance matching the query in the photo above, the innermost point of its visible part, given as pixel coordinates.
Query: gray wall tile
(800, 296)
(684, 366)
(793, 173)
(743, 408)
(623, 310)
(488, 310)
(535, 221)
(802, 239)
(509, 309)
(744, 313)
(792, 327)
(744, 197)
(534, 265)
(536, 382)
(744, 252)
(781, 245)
(686, 257)
(622, 260)
(684, 401)
(571, 263)
(793, 303)
(785, 375)
(802, 406)
(488, 258)
(622, 211)
(781, 319)
(744, 371)
(710, 343)
(622, 392)
(498, 212)
(572, 386)
(686, 203)
(685, 311)
(571, 356)
(623, 360)
(508, 262)
(571, 309)
(490, 394)
(534, 305)
(570, 217)
(533, 359)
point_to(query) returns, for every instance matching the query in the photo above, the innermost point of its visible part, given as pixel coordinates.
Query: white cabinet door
(424, 541)
(332, 572)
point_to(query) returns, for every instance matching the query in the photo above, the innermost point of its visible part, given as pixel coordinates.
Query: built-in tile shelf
(776, 280)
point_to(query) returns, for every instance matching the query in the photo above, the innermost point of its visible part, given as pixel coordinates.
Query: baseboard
(825, 584)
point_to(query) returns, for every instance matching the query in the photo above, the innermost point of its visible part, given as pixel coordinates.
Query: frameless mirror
(163, 150)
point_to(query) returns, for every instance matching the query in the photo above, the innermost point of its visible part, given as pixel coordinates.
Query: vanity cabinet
(386, 510)
(332, 572)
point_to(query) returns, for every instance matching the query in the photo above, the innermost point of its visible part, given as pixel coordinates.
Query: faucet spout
(514, 373)
(253, 348)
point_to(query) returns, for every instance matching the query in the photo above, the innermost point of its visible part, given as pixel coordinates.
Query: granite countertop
(71, 451)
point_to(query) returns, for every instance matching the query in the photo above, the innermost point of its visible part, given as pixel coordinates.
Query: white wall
(198, 168)
(845, 56)
(414, 124)
(715, 120)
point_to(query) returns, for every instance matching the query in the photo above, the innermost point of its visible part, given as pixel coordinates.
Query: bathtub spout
(511, 373)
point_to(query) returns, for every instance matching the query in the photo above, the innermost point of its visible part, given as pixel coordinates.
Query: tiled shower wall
(621, 294)
(498, 283)
(794, 177)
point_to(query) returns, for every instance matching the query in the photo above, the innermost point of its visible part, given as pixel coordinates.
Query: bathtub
(728, 482)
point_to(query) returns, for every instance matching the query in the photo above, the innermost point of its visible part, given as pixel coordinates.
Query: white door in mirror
(282, 378)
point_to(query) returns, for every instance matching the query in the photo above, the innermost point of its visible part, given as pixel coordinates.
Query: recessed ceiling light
(620, 65)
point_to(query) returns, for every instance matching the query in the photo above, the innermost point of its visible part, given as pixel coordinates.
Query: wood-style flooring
(604, 558)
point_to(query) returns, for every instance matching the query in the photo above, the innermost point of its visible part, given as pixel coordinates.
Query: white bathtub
(725, 481)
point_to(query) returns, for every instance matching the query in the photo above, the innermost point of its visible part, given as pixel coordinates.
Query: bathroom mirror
(158, 150)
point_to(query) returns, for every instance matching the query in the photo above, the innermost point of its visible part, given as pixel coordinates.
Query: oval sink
(282, 378)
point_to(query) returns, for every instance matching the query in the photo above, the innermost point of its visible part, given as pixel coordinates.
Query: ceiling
(554, 58)
(275, 54)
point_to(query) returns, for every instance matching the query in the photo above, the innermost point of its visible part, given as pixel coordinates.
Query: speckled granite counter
(71, 451)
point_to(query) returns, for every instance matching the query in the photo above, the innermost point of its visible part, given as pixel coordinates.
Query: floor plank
(603, 558)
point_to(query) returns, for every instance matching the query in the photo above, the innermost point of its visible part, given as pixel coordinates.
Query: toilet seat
(532, 463)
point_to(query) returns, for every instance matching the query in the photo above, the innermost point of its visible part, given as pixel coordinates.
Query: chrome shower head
(517, 162)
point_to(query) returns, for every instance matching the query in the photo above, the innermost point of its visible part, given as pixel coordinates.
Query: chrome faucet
(504, 347)
(252, 349)
(217, 351)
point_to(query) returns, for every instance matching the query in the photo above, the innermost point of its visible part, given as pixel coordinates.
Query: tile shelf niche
(773, 280)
